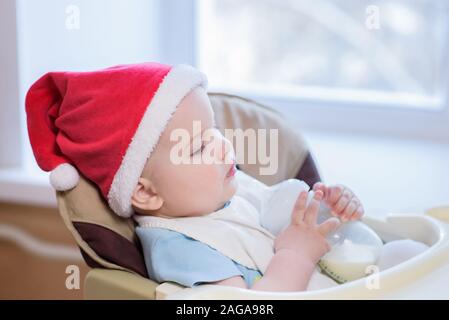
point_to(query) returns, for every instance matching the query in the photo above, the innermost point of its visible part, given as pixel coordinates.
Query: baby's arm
(297, 250)
(281, 275)
(287, 271)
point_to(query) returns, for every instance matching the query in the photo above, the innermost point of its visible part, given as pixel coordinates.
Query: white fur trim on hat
(179, 81)
(64, 177)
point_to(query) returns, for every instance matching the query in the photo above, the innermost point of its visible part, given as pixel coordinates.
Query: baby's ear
(145, 196)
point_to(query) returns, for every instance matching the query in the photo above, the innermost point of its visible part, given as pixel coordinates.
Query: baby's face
(168, 188)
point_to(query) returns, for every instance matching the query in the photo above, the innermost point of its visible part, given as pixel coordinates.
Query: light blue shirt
(173, 256)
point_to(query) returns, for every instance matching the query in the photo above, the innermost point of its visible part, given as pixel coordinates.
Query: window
(42, 36)
(380, 52)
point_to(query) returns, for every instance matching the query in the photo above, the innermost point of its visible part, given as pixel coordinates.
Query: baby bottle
(354, 246)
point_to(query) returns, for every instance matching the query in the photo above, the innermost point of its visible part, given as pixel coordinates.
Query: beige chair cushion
(236, 112)
(110, 242)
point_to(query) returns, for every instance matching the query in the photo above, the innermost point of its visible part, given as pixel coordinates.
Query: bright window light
(357, 50)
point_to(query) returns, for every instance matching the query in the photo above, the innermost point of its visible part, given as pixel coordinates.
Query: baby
(199, 221)
(167, 190)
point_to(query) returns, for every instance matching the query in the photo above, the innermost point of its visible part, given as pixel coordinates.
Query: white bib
(234, 231)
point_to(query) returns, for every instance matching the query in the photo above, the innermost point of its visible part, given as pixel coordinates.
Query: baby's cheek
(212, 180)
(202, 171)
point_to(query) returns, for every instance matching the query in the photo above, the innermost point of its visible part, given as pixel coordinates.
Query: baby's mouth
(231, 171)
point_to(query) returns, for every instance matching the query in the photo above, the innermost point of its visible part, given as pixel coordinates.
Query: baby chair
(109, 244)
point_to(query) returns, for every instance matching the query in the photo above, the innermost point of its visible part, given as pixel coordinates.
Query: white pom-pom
(64, 177)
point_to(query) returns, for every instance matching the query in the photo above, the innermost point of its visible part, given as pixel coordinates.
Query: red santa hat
(104, 124)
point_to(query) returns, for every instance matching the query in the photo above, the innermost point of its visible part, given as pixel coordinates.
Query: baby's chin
(231, 189)
(230, 192)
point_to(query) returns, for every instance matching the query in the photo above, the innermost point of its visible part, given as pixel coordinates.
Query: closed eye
(199, 150)
(203, 144)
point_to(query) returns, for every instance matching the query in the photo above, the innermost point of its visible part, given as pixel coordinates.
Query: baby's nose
(227, 151)
(223, 150)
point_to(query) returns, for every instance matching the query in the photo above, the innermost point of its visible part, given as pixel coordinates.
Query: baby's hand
(304, 236)
(341, 200)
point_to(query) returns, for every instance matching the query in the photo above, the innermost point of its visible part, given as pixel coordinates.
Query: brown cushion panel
(309, 172)
(112, 247)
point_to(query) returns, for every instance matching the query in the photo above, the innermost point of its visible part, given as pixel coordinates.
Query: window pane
(394, 46)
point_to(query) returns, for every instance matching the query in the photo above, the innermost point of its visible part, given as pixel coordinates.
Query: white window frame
(17, 183)
(347, 112)
(10, 118)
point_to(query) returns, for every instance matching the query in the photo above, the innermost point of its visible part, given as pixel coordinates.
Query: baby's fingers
(299, 208)
(328, 226)
(334, 193)
(311, 213)
(358, 213)
(320, 186)
(349, 210)
(339, 207)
